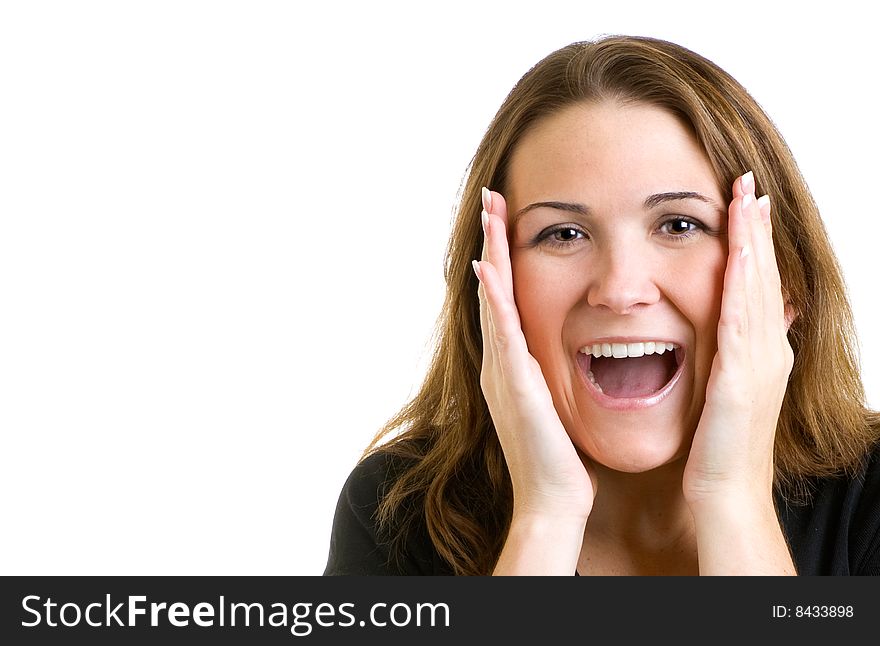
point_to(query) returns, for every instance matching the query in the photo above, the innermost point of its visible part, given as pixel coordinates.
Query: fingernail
(484, 218)
(747, 201)
(487, 198)
(748, 182)
(745, 252)
(763, 201)
(476, 265)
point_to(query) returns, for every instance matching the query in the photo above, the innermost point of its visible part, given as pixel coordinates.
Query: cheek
(546, 292)
(698, 297)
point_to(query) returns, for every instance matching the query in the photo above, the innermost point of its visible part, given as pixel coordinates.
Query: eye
(566, 234)
(680, 227)
(560, 236)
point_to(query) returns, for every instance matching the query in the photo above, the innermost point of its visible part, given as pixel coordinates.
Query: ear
(791, 315)
(790, 312)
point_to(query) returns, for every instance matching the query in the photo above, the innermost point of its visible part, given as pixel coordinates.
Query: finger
(761, 243)
(486, 198)
(484, 221)
(757, 234)
(487, 327)
(495, 226)
(773, 286)
(740, 214)
(763, 282)
(765, 207)
(733, 323)
(507, 339)
(760, 273)
(743, 186)
(757, 278)
(739, 185)
(485, 322)
(744, 195)
(486, 333)
(753, 209)
(764, 236)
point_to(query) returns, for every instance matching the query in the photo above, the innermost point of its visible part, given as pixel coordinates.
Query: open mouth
(633, 371)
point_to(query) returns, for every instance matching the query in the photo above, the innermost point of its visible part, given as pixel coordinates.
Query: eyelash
(545, 237)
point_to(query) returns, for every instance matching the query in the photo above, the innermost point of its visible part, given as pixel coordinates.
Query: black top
(837, 534)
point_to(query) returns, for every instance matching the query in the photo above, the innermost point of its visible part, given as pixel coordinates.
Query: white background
(222, 228)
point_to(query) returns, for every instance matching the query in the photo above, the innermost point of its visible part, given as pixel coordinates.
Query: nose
(624, 279)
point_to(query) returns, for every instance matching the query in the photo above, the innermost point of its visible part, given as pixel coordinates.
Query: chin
(633, 445)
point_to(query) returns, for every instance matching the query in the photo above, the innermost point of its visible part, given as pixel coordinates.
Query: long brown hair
(455, 481)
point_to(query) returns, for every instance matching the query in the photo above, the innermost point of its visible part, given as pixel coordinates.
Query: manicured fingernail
(476, 265)
(763, 201)
(748, 182)
(487, 199)
(484, 218)
(747, 201)
(744, 252)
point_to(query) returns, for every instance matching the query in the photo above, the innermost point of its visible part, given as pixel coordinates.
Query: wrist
(538, 524)
(741, 535)
(741, 491)
(541, 544)
(733, 510)
(560, 512)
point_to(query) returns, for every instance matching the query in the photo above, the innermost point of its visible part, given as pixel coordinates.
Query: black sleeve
(838, 533)
(355, 545)
(866, 522)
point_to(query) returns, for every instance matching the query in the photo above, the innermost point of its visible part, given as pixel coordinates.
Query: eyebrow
(658, 198)
(650, 202)
(580, 209)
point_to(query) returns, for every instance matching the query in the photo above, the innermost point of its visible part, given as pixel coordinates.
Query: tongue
(632, 377)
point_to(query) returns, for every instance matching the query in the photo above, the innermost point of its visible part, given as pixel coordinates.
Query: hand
(549, 478)
(731, 458)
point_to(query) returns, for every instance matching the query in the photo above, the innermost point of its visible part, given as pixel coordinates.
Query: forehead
(634, 147)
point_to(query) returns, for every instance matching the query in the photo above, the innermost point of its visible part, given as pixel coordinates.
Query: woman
(650, 370)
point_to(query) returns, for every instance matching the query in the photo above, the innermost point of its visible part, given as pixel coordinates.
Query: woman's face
(618, 246)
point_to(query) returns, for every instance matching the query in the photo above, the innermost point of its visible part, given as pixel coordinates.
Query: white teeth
(624, 350)
(594, 382)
